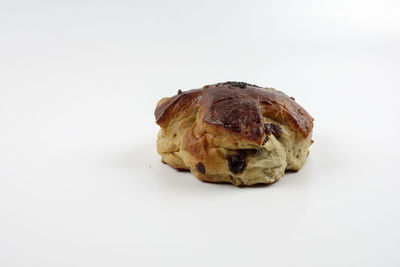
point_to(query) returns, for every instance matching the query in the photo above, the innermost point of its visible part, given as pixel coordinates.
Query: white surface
(81, 183)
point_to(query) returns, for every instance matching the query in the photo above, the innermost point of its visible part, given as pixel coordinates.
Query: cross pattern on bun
(233, 132)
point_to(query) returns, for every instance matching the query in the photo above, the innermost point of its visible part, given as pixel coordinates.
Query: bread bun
(233, 132)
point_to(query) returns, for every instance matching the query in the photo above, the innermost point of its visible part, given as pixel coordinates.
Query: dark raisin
(265, 139)
(292, 98)
(277, 131)
(182, 170)
(237, 162)
(200, 168)
(179, 91)
(274, 129)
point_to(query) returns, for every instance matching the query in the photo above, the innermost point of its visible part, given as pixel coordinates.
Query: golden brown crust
(236, 109)
(168, 108)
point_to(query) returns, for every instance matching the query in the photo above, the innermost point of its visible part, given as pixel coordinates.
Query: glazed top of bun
(237, 109)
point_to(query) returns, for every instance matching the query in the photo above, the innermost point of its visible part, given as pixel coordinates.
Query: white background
(81, 183)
